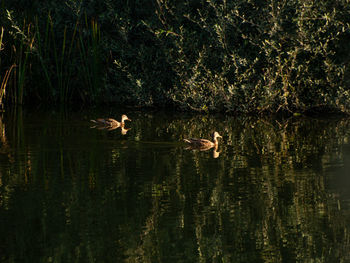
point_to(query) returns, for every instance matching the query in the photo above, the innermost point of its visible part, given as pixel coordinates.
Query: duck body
(204, 143)
(199, 142)
(109, 122)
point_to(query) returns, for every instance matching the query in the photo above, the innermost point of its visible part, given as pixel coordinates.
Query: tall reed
(23, 57)
(3, 80)
(62, 62)
(89, 51)
(4, 84)
(22, 48)
(57, 57)
(58, 60)
(42, 53)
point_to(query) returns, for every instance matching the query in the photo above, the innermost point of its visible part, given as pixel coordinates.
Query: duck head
(216, 135)
(125, 118)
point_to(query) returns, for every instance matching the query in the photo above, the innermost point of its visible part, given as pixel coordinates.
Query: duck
(109, 122)
(204, 144)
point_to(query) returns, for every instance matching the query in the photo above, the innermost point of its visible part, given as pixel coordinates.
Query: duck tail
(93, 121)
(185, 140)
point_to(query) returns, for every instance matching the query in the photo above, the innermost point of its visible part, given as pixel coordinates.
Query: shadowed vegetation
(235, 56)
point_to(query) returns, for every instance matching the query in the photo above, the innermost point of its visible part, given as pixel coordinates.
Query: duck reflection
(123, 130)
(216, 153)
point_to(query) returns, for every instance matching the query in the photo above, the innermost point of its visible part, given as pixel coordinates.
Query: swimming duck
(203, 143)
(109, 122)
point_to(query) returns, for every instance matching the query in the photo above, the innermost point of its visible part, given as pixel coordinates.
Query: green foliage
(237, 56)
(248, 56)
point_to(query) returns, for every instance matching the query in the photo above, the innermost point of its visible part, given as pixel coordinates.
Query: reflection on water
(215, 151)
(277, 191)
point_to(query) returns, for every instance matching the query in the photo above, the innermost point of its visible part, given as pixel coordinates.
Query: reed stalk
(59, 60)
(5, 78)
(91, 63)
(4, 84)
(25, 47)
(42, 52)
(60, 55)
(23, 40)
(95, 54)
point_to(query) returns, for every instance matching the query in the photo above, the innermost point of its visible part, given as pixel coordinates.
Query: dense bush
(237, 56)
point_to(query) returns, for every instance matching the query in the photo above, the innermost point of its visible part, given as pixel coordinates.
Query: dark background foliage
(236, 56)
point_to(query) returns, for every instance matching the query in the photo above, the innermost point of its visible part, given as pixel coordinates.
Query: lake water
(275, 191)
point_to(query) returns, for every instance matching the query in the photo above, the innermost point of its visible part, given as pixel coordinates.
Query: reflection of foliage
(96, 195)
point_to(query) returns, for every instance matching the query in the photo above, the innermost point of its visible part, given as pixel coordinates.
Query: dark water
(278, 191)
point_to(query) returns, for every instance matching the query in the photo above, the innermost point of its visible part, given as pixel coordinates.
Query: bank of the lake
(238, 57)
